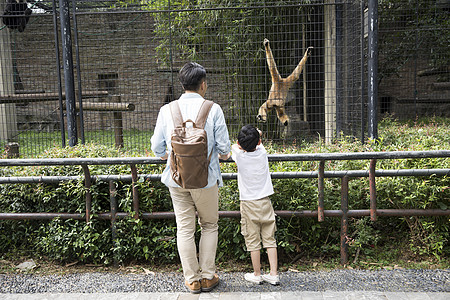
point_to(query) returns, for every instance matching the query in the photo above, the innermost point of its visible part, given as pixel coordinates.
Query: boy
(257, 215)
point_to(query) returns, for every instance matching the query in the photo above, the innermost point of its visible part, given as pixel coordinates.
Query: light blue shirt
(215, 127)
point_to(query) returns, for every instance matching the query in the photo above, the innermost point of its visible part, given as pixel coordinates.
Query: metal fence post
(113, 213)
(87, 185)
(372, 65)
(373, 190)
(321, 185)
(58, 72)
(134, 177)
(113, 203)
(69, 83)
(77, 56)
(344, 220)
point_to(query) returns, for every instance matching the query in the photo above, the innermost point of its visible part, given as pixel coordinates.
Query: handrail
(344, 213)
(232, 176)
(272, 157)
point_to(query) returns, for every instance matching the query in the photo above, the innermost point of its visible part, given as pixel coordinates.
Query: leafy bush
(155, 240)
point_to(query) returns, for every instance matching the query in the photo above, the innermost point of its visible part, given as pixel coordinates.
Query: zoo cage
(414, 58)
(126, 55)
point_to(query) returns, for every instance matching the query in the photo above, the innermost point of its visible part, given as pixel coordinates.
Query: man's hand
(165, 156)
(225, 156)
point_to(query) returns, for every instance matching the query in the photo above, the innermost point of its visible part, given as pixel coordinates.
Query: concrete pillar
(8, 115)
(330, 72)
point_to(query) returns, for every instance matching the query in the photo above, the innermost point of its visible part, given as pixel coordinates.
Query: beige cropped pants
(185, 203)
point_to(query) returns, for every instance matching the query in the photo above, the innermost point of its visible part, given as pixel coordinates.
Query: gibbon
(280, 86)
(16, 14)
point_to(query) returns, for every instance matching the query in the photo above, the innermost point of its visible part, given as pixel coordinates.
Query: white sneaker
(253, 278)
(273, 280)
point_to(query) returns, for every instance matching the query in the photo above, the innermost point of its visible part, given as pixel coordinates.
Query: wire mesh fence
(127, 55)
(414, 58)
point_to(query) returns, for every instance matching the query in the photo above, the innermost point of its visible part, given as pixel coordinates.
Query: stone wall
(408, 94)
(117, 53)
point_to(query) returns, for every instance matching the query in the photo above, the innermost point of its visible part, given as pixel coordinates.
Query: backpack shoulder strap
(203, 113)
(176, 113)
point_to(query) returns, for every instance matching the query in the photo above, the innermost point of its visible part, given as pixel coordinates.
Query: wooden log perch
(106, 106)
(434, 71)
(40, 97)
(441, 86)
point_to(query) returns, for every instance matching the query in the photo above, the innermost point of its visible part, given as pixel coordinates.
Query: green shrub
(155, 240)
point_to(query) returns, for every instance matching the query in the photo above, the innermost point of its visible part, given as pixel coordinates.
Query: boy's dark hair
(248, 138)
(191, 76)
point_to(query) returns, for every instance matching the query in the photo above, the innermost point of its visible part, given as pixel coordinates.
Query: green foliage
(152, 241)
(365, 236)
(201, 27)
(71, 240)
(155, 240)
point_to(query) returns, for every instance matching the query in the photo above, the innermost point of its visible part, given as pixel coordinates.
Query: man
(199, 273)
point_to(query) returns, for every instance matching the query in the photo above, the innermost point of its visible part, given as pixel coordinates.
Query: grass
(32, 143)
(419, 134)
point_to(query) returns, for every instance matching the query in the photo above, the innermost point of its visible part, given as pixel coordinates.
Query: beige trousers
(185, 204)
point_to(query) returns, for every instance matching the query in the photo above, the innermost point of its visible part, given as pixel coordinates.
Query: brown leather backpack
(189, 158)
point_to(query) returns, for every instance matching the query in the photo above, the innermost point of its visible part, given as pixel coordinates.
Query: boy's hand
(236, 147)
(260, 132)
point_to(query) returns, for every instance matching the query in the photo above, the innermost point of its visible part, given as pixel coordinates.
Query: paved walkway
(317, 285)
(353, 295)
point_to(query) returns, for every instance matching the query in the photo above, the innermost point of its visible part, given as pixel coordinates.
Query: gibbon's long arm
(280, 86)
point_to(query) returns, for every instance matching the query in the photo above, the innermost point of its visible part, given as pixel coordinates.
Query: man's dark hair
(248, 138)
(191, 76)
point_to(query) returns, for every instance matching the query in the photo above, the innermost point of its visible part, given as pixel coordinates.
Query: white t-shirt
(253, 173)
